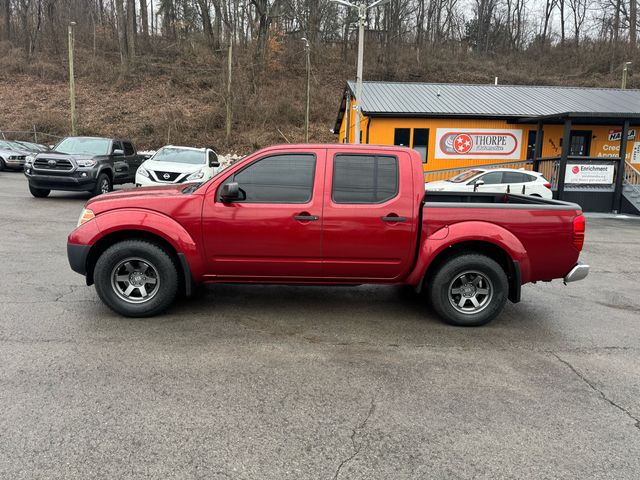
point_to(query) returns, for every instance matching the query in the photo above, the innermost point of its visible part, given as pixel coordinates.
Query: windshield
(464, 176)
(11, 145)
(180, 155)
(89, 146)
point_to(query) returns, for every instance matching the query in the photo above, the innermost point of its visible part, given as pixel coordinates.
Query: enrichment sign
(480, 143)
(589, 174)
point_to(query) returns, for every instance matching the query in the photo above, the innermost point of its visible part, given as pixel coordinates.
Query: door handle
(305, 217)
(393, 218)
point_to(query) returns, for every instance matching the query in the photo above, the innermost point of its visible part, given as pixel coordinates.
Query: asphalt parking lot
(252, 382)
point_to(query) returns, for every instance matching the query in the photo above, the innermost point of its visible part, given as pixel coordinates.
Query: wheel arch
(99, 247)
(510, 266)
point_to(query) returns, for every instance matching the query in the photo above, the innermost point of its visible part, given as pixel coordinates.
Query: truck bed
(496, 200)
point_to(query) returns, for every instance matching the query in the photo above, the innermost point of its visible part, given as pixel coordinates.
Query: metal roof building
(546, 128)
(511, 102)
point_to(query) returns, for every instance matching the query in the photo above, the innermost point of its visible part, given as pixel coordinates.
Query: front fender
(148, 221)
(471, 231)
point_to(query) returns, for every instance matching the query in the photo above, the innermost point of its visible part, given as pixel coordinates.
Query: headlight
(29, 159)
(85, 216)
(142, 171)
(196, 176)
(87, 163)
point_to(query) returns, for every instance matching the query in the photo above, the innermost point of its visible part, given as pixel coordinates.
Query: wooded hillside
(158, 71)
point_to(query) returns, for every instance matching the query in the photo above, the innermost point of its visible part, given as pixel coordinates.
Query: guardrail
(32, 135)
(631, 177)
(448, 173)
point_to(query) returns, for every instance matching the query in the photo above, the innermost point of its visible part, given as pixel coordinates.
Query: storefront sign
(635, 153)
(480, 143)
(589, 174)
(616, 134)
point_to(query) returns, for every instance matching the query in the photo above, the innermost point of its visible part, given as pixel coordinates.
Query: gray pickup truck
(77, 164)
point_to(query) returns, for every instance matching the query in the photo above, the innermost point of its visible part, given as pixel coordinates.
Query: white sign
(589, 174)
(635, 153)
(480, 143)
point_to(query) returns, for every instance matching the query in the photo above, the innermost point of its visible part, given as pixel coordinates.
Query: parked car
(175, 164)
(325, 214)
(91, 164)
(33, 147)
(498, 180)
(12, 155)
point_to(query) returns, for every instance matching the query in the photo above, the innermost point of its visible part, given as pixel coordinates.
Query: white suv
(499, 180)
(173, 165)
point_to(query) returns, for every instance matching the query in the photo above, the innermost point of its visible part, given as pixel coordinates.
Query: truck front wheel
(469, 290)
(136, 278)
(39, 192)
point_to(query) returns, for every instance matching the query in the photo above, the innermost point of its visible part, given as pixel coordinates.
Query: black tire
(112, 264)
(103, 185)
(3, 165)
(465, 276)
(39, 192)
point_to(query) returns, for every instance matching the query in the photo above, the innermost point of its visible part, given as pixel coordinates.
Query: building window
(421, 142)
(402, 137)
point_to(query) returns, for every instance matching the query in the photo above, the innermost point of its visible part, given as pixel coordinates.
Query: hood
(58, 155)
(173, 167)
(437, 184)
(10, 151)
(168, 199)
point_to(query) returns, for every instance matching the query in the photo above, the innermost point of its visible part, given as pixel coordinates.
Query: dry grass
(176, 94)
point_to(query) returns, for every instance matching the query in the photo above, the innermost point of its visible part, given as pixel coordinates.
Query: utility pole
(72, 80)
(229, 78)
(625, 72)
(362, 8)
(306, 115)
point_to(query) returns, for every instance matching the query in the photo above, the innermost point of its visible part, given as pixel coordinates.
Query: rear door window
(361, 179)
(514, 177)
(128, 149)
(492, 178)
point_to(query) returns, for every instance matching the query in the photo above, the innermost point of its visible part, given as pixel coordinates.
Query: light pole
(72, 80)
(362, 8)
(306, 115)
(625, 71)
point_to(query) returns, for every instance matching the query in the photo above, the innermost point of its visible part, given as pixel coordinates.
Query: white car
(173, 165)
(499, 180)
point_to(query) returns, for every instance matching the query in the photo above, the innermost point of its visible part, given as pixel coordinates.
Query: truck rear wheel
(39, 192)
(136, 278)
(469, 290)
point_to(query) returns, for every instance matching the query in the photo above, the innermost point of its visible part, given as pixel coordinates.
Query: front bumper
(77, 256)
(14, 163)
(73, 182)
(579, 272)
(142, 181)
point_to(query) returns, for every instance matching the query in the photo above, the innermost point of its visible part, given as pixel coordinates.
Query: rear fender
(147, 221)
(472, 231)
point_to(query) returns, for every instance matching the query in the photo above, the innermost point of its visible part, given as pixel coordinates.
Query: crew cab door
(274, 230)
(369, 227)
(132, 160)
(121, 172)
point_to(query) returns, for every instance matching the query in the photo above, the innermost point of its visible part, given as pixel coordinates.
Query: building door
(580, 143)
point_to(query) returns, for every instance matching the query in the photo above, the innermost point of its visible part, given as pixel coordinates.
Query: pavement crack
(598, 391)
(356, 447)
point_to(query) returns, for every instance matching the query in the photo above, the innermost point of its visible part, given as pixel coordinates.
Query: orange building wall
(381, 131)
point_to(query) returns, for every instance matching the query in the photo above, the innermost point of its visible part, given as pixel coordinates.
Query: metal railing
(631, 177)
(448, 173)
(28, 135)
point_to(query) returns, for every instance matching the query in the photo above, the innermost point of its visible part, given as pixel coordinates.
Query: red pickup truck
(325, 215)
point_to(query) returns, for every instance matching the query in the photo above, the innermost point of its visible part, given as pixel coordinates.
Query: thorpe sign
(480, 143)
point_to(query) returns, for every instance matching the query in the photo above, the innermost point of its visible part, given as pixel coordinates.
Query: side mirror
(213, 160)
(477, 183)
(230, 192)
(118, 153)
